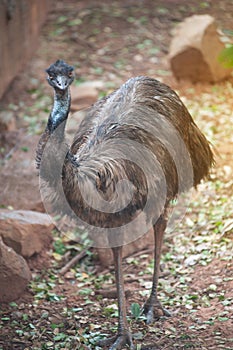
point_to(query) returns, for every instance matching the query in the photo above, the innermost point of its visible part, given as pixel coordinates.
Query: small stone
(192, 259)
(70, 275)
(138, 58)
(7, 121)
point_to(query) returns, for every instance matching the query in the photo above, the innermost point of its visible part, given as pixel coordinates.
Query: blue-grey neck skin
(60, 109)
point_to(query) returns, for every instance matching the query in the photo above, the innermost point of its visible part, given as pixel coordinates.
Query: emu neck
(58, 116)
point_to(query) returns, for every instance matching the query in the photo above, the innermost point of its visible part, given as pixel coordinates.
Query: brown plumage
(142, 133)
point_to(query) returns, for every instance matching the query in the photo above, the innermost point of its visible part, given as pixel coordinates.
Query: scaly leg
(153, 308)
(124, 336)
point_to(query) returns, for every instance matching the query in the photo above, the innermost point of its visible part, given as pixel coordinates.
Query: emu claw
(122, 341)
(154, 312)
(119, 341)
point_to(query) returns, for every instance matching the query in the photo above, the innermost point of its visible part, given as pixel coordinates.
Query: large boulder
(25, 231)
(85, 94)
(194, 51)
(19, 178)
(14, 274)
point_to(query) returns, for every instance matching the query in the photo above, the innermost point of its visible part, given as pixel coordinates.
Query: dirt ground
(112, 41)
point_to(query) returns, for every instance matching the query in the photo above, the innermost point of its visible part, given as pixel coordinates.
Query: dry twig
(73, 261)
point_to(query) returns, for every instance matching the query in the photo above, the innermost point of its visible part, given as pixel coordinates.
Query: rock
(85, 94)
(19, 177)
(192, 259)
(105, 254)
(87, 89)
(7, 121)
(27, 232)
(14, 274)
(195, 49)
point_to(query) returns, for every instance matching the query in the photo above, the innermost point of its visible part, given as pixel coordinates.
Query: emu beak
(62, 82)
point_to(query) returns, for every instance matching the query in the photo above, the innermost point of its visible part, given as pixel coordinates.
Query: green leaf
(223, 319)
(60, 336)
(19, 332)
(75, 22)
(59, 247)
(62, 19)
(85, 291)
(135, 310)
(213, 287)
(24, 149)
(226, 57)
(13, 304)
(5, 318)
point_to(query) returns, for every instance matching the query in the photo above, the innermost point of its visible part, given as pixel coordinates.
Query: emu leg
(124, 336)
(153, 308)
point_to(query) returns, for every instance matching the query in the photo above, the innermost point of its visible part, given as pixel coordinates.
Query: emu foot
(153, 311)
(119, 342)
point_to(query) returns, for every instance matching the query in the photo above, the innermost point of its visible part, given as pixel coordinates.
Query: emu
(134, 151)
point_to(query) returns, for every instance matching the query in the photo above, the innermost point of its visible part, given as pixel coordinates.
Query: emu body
(141, 133)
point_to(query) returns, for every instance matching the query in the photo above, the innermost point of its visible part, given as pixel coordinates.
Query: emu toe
(154, 311)
(119, 342)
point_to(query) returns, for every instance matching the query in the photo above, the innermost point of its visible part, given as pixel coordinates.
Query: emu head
(60, 75)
